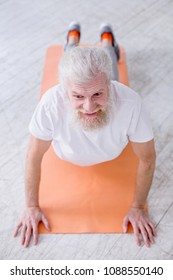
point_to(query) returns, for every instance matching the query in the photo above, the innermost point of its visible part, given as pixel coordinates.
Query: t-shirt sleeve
(41, 125)
(140, 128)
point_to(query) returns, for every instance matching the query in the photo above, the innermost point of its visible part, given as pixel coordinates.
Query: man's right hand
(29, 225)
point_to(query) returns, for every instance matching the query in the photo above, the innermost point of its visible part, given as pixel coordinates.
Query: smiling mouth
(90, 115)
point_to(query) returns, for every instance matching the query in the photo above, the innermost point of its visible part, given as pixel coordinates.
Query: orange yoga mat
(91, 199)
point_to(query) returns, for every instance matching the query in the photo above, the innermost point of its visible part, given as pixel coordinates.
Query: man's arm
(33, 214)
(137, 215)
(36, 151)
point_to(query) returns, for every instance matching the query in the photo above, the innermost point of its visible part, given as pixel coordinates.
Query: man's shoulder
(53, 95)
(123, 92)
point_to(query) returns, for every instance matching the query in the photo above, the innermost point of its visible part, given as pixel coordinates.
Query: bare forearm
(143, 183)
(32, 181)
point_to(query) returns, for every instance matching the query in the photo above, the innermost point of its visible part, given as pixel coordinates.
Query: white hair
(82, 64)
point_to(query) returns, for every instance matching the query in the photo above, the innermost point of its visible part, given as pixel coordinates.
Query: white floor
(27, 28)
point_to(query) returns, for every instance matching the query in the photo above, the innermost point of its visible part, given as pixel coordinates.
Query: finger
(153, 228)
(17, 229)
(125, 224)
(144, 235)
(136, 233)
(35, 232)
(45, 222)
(23, 234)
(27, 235)
(150, 233)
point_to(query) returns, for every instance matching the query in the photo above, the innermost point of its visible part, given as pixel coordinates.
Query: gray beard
(89, 124)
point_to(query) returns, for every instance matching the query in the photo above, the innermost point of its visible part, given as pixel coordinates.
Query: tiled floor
(27, 28)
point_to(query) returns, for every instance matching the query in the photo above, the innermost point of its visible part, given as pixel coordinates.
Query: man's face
(89, 103)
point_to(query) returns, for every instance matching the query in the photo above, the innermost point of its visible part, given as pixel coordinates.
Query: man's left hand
(141, 224)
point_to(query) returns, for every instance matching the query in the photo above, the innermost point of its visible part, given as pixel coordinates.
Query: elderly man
(89, 118)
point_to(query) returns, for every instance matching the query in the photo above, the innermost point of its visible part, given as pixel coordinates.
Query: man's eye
(97, 94)
(78, 96)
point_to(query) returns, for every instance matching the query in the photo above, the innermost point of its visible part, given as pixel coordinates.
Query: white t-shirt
(128, 122)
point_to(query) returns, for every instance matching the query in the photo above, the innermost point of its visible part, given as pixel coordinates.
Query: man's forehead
(97, 84)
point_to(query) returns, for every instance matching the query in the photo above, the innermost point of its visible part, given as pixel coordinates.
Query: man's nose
(89, 106)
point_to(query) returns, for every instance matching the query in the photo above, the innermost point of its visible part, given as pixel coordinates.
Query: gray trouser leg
(69, 46)
(111, 52)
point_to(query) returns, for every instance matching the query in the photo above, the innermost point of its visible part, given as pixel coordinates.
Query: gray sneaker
(107, 28)
(74, 25)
